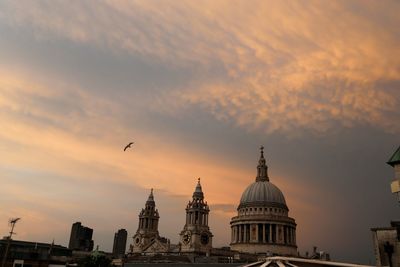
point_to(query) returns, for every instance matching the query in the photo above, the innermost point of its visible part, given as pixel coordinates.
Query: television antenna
(12, 223)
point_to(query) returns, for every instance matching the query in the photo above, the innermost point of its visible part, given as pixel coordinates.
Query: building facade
(34, 254)
(263, 225)
(81, 238)
(386, 240)
(119, 246)
(196, 236)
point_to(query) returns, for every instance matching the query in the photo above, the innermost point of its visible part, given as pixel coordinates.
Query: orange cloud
(287, 64)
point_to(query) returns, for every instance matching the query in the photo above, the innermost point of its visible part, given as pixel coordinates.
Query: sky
(199, 86)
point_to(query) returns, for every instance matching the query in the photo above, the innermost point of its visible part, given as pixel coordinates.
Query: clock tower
(196, 236)
(147, 230)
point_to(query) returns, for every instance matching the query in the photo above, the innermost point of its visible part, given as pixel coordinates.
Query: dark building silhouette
(34, 254)
(81, 238)
(120, 243)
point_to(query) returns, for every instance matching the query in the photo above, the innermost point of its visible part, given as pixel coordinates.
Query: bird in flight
(128, 145)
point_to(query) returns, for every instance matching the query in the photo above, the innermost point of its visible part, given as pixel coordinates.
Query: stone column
(263, 227)
(291, 236)
(287, 229)
(240, 233)
(277, 228)
(256, 226)
(284, 240)
(294, 235)
(270, 233)
(235, 237)
(244, 233)
(248, 233)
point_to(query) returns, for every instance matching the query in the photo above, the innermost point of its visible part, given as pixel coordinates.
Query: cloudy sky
(199, 86)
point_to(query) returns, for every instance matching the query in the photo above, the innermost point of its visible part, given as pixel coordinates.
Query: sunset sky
(199, 86)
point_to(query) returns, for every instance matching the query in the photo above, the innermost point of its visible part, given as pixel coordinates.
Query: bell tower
(148, 225)
(196, 236)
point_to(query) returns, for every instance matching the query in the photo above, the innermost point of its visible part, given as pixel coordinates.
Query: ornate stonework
(196, 236)
(147, 231)
(262, 225)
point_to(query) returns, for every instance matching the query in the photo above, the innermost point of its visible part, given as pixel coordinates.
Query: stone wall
(380, 237)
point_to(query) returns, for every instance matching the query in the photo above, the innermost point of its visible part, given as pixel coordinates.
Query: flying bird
(128, 145)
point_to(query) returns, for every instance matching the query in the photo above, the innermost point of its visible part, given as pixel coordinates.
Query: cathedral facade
(195, 238)
(262, 224)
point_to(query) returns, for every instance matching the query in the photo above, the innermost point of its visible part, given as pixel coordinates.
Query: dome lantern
(262, 168)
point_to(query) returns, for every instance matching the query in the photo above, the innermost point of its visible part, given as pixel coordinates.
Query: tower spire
(198, 192)
(150, 199)
(262, 168)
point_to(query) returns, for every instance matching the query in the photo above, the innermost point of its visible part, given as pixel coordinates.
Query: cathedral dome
(262, 193)
(262, 225)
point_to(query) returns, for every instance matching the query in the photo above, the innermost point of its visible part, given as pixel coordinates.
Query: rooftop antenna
(12, 223)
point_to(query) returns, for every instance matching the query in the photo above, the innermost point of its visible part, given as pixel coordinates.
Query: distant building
(196, 236)
(120, 243)
(81, 238)
(263, 225)
(386, 240)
